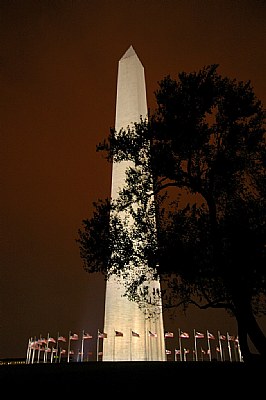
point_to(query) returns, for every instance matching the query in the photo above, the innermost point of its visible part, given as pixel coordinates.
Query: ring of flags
(205, 347)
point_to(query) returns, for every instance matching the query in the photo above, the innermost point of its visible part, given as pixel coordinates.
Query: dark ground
(130, 379)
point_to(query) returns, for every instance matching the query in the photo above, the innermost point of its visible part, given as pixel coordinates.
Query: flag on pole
(210, 335)
(152, 334)
(102, 335)
(135, 334)
(61, 339)
(186, 351)
(169, 334)
(184, 335)
(199, 335)
(52, 340)
(74, 337)
(168, 352)
(86, 336)
(117, 333)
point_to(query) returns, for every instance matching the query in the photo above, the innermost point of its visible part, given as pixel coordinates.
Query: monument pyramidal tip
(129, 334)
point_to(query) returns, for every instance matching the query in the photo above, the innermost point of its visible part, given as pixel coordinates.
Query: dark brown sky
(58, 85)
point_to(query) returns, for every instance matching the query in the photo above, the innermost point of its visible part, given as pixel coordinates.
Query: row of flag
(40, 350)
(37, 347)
(199, 353)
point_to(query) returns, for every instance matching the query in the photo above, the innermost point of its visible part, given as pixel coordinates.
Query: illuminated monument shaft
(121, 314)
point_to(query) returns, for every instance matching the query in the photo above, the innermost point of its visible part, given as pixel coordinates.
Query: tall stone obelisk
(131, 336)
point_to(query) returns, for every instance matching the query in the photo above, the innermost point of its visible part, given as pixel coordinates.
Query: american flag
(211, 336)
(168, 334)
(152, 334)
(135, 334)
(117, 333)
(87, 336)
(61, 339)
(184, 334)
(168, 352)
(74, 337)
(102, 335)
(199, 335)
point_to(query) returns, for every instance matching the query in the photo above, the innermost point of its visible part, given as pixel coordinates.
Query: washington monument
(130, 335)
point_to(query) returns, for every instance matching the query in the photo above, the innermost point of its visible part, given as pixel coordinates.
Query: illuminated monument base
(131, 336)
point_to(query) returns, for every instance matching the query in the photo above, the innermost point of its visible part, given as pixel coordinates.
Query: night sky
(58, 86)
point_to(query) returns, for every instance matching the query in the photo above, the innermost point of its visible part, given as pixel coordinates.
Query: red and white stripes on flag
(184, 335)
(152, 334)
(210, 335)
(168, 334)
(102, 335)
(86, 336)
(199, 335)
(74, 337)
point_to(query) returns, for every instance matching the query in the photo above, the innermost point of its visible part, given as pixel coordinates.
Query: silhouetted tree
(205, 160)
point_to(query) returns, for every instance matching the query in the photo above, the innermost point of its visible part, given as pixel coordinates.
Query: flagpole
(209, 347)
(148, 344)
(195, 345)
(229, 347)
(39, 352)
(33, 353)
(180, 345)
(114, 347)
(130, 345)
(97, 346)
(82, 346)
(56, 360)
(46, 348)
(234, 345)
(28, 351)
(220, 346)
(68, 348)
(145, 337)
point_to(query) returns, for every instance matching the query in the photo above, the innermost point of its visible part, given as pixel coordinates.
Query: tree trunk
(256, 335)
(248, 327)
